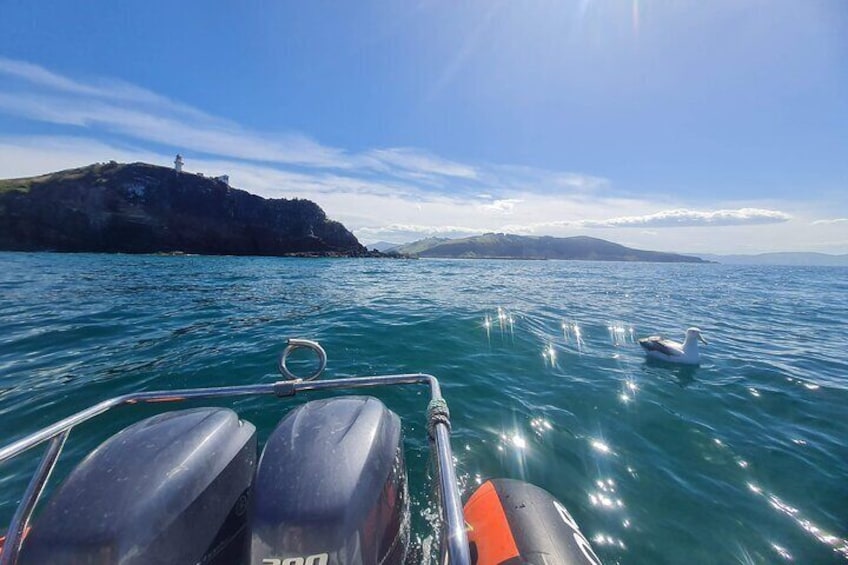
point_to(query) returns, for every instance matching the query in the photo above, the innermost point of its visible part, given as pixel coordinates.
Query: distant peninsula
(507, 246)
(142, 208)
(787, 259)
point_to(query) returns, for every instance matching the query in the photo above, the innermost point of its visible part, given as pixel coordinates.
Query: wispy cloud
(663, 219)
(406, 232)
(580, 182)
(504, 207)
(693, 218)
(211, 137)
(408, 159)
(133, 114)
(830, 222)
(22, 156)
(39, 76)
(532, 179)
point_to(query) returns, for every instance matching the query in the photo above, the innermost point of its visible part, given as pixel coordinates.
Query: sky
(671, 125)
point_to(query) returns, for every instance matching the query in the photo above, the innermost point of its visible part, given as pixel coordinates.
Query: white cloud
(830, 222)
(42, 77)
(408, 232)
(24, 156)
(580, 182)
(504, 207)
(419, 161)
(693, 218)
(210, 137)
(531, 179)
(144, 117)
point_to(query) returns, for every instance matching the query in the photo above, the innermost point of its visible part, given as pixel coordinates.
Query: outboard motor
(171, 489)
(515, 522)
(331, 487)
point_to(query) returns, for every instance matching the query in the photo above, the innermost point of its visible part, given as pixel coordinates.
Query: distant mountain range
(141, 208)
(788, 258)
(506, 246)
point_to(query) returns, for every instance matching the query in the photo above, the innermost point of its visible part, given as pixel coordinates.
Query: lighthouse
(178, 163)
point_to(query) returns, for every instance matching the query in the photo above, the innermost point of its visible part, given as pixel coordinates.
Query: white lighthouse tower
(178, 163)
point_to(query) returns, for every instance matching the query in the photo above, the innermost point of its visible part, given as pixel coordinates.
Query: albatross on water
(672, 351)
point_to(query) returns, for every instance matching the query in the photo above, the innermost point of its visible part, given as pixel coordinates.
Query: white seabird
(672, 351)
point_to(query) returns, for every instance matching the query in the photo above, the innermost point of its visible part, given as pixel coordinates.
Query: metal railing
(455, 540)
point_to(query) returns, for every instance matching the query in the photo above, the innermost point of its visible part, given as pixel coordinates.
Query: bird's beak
(702, 339)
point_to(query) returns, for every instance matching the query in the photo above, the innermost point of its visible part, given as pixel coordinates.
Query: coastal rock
(142, 208)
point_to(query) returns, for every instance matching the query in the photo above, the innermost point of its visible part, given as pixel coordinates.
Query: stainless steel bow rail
(455, 541)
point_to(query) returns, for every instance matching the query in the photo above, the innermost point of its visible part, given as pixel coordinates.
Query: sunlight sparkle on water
(620, 334)
(501, 318)
(838, 545)
(602, 539)
(518, 441)
(505, 322)
(601, 446)
(629, 393)
(782, 551)
(572, 334)
(549, 353)
(540, 426)
(604, 496)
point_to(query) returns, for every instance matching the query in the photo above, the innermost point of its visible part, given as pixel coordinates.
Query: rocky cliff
(141, 208)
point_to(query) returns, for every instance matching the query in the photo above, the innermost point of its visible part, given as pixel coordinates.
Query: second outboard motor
(331, 487)
(171, 489)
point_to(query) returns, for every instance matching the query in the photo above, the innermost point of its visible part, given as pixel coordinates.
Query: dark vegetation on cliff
(141, 208)
(506, 246)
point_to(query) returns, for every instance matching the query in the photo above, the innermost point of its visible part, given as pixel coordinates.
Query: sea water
(743, 459)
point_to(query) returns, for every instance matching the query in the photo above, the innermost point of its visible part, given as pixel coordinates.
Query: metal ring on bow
(291, 345)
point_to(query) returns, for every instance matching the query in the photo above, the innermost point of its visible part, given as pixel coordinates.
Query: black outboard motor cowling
(331, 487)
(171, 489)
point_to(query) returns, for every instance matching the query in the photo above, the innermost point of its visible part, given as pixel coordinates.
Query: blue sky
(677, 125)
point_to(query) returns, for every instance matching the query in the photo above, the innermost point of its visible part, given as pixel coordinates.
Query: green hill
(506, 246)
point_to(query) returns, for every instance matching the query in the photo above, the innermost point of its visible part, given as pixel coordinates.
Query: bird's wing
(660, 345)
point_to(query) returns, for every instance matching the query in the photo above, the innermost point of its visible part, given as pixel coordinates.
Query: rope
(437, 413)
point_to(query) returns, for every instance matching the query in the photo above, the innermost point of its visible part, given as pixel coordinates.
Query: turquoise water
(741, 460)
